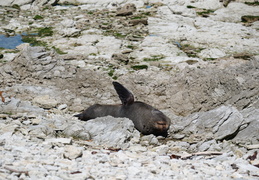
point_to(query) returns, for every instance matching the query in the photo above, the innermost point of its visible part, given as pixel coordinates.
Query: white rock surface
(40, 138)
(45, 101)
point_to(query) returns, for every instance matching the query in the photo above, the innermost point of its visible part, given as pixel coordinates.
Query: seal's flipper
(125, 95)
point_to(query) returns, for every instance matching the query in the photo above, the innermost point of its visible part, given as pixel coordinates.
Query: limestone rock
(18, 2)
(249, 133)
(233, 14)
(64, 141)
(70, 32)
(77, 131)
(120, 57)
(127, 9)
(17, 106)
(72, 152)
(222, 123)
(135, 22)
(110, 131)
(45, 101)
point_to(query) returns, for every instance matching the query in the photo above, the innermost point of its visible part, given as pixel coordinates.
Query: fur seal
(146, 118)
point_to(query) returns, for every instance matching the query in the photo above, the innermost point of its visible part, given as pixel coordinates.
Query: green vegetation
(1, 56)
(16, 6)
(190, 7)
(205, 12)
(9, 31)
(37, 17)
(131, 47)
(58, 50)
(33, 41)
(154, 58)
(12, 51)
(190, 50)
(111, 74)
(252, 3)
(138, 67)
(119, 35)
(47, 31)
(46, 8)
(249, 18)
(90, 12)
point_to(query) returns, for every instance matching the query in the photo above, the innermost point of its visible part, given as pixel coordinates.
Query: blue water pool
(10, 42)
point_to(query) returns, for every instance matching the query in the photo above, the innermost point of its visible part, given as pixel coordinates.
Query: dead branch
(16, 171)
(2, 97)
(207, 153)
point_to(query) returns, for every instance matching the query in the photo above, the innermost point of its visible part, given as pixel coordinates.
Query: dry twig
(2, 97)
(16, 171)
(208, 153)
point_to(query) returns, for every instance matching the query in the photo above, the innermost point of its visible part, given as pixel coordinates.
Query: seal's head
(161, 123)
(146, 118)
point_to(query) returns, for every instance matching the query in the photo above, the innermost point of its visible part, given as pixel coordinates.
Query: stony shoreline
(195, 61)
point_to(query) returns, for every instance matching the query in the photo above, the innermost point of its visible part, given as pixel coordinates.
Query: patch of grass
(33, 41)
(119, 35)
(58, 50)
(190, 50)
(131, 47)
(146, 13)
(46, 8)
(90, 12)
(205, 12)
(114, 33)
(46, 31)
(190, 7)
(12, 51)
(37, 17)
(16, 6)
(111, 72)
(9, 31)
(249, 18)
(154, 58)
(252, 3)
(138, 67)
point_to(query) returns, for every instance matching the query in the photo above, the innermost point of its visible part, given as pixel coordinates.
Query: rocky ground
(197, 61)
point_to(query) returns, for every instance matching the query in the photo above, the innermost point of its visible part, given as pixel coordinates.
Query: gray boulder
(110, 131)
(222, 123)
(106, 131)
(249, 132)
(13, 106)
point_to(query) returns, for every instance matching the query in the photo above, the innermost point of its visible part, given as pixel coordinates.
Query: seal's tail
(78, 116)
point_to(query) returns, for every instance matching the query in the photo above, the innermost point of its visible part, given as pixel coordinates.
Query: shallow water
(10, 42)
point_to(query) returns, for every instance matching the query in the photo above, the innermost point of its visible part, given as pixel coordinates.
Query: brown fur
(146, 119)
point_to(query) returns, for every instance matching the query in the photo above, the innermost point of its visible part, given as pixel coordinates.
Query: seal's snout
(161, 125)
